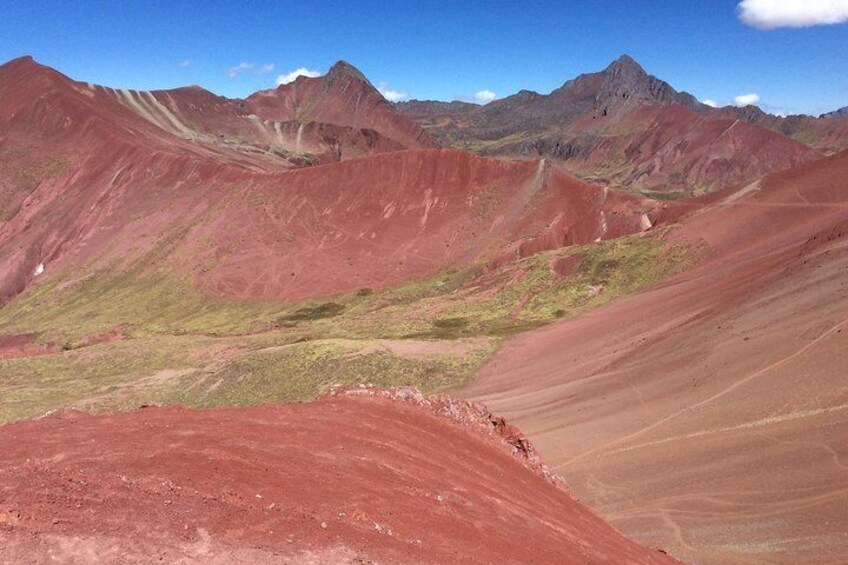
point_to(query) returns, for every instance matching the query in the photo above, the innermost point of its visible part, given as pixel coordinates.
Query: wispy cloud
(747, 99)
(299, 72)
(710, 103)
(240, 68)
(245, 67)
(391, 95)
(771, 14)
(185, 63)
(484, 96)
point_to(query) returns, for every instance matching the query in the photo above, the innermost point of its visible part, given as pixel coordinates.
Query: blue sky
(433, 49)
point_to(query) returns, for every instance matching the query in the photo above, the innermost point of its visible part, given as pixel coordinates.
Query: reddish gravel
(345, 479)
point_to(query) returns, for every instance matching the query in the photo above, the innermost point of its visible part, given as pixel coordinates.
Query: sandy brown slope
(343, 480)
(710, 414)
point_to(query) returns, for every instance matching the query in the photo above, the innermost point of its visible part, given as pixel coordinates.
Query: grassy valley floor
(147, 337)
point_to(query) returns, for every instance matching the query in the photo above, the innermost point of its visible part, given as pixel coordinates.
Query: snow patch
(38, 270)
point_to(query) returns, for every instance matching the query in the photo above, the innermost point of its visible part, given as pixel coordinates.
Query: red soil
(24, 345)
(343, 480)
(708, 415)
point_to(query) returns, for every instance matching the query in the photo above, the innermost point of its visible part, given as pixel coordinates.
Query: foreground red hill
(342, 480)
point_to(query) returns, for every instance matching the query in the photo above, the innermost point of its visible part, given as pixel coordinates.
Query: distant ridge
(625, 128)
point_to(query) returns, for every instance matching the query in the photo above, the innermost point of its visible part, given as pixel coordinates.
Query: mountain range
(653, 289)
(625, 128)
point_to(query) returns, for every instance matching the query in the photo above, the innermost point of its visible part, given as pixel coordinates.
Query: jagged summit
(840, 113)
(343, 69)
(344, 97)
(626, 83)
(625, 61)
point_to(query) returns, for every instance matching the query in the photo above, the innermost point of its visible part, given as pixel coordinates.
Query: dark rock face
(840, 113)
(626, 84)
(344, 73)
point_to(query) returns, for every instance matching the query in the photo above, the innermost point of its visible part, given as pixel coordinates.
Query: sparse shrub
(451, 323)
(325, 310)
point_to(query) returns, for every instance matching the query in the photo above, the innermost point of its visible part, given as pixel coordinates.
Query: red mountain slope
(714, 422)
(673, 149)
(125, 191)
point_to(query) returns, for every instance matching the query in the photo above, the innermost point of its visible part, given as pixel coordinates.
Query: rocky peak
(23, 60)
(26, 69)
(344, 73)
(527, 95)
(840, 113)
(626, 84)
(28, 64)
(625, 65)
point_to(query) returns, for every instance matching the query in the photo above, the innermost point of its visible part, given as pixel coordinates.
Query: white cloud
(710, 103)
(299, 72)
(771, 14)
(245, 67)
(185, 63)
(391, 95)
(747, 99)
(240, 68)
(485, 96)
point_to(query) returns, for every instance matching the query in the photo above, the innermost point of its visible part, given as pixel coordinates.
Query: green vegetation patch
(660, 195)
(195, 371)
(179, 345)
(302, 371)
(33, 385)
(325, 310)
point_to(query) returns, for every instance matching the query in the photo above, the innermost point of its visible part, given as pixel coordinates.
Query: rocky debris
(473, 416)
